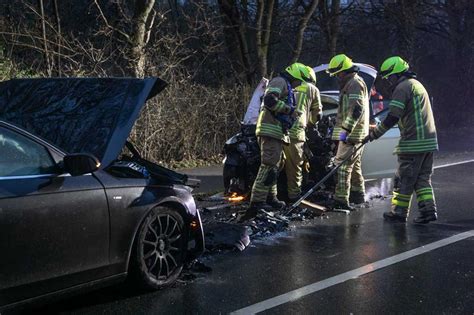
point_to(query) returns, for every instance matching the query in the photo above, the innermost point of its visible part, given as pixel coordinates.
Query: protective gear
(271, 176)
(410, 104)
(293, 166)
(312, 75)
(410, 107)
(353, 109)
(275, 101)
(370, 137)
(349, 175)
(299, 71)
(343, 135)
(352, 120)
(393, 65)
(426, 217)
(271, 158)
(341, 204)
(382, 127)
(338, 64)
(308, 102)
(287, 121)
(357, 197)
(394, 217)
(414, 174)
(276, 204)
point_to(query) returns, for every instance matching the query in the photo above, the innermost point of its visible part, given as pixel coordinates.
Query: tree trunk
(302, 24)
(45, 42)
(406, 13)
(330, 23)
(264, 27)
(58, 37)
(334, 26)
(461, 28)
(138, 36)
(237, 37)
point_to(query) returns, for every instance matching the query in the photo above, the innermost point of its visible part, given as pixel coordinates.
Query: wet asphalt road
(440, 281)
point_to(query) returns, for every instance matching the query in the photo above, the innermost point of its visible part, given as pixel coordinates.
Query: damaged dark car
(75, 211)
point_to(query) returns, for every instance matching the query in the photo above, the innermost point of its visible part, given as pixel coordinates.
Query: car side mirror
(79, 164)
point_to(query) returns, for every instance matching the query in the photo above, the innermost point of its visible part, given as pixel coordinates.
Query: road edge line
(352, 274)
(453, 164)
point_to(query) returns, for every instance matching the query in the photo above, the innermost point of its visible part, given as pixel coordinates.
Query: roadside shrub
(187, 124)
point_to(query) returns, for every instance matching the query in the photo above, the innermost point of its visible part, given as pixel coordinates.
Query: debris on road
(222, 236)
(222, 231)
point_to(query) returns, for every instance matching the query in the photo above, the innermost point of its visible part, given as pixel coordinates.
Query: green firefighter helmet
(393, 65)
(338, 64)
(312, 75)
(299, 71)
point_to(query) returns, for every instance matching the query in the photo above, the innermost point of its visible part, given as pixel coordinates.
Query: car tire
(160, 249)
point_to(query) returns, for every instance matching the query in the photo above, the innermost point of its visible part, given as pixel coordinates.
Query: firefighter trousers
(294, 167)
(413, 175)
(349, 175)
(271, 155)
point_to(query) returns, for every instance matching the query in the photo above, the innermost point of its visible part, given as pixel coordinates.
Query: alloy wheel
(161, 246)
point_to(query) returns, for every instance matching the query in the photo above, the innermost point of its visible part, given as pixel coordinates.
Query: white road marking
(452, 164)
(353, 274)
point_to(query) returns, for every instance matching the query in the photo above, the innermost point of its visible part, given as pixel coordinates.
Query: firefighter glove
(343, 135)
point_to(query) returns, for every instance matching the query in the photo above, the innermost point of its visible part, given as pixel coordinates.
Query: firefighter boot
(357, 197)
(397, 214)
(341, 204)
(426, 217)
(426, 214)
(276, 204)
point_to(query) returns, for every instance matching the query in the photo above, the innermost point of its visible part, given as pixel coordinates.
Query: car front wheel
(160, 248)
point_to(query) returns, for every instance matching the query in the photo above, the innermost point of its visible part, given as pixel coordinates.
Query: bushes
(187, 124)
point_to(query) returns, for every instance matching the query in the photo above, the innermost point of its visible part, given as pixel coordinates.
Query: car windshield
(325, 82)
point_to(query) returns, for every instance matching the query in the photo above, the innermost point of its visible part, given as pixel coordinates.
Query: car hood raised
(78, 115)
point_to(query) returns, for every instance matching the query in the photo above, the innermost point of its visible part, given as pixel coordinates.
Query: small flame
(236, 197)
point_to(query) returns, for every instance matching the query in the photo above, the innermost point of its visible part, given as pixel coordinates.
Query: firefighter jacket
(353, 111)
(267, 124)
(308, 102)
(410, 103)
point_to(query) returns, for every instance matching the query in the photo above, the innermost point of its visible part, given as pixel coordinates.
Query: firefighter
(352, 126)
(308, 102)
(274, 122)
(410, 107)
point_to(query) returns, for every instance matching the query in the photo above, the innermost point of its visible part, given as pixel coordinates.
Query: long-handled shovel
(322, 181)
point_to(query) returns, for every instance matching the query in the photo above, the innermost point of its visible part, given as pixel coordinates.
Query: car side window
(20, 156)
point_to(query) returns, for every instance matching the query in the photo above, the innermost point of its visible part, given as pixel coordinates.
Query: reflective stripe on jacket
(353, 111)
(410, 102)
(267, 124)
(308, 102)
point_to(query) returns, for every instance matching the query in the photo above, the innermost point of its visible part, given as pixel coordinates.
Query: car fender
(185, 205)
